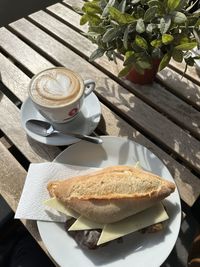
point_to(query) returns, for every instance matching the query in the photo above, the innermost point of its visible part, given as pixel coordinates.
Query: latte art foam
(56, 87)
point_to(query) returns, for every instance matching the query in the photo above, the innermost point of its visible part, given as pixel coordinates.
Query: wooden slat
(12, 179)
(171, 105)
(10, 124)
(24, 52)
(191, 92)
(181, 86)
(13, 78)
(152, 122)
(6, 142)
(16, 80)
(191, 72)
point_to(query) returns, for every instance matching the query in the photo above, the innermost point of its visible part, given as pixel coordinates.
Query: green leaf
(144, 64)
(92, 7)
(121, 18)
(140, 12)
(125, 38)
(84, 19)
(109, 35)
(173, 4)
(129, 53)
(122, 6)
(178, 17)
(197, 23)
(156, 53)
(197, 36)
(151, 27)
(150, 13)
(92, 19)
(141, 42)
(165, 24)
(125, 71)
(167, 38)
(177, 55)
(182, 5)
(156, 43)
(153, 3)
(192, 20)
(96, 54)
(130, 59)
(161, 7)
(138, 68)
(184, 39)
(165, 61)
(140, 26)
(96, 29)
(186, 46)
(106, 9)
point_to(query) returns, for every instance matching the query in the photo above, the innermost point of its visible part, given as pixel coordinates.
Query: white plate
(137, 249)
(85, 122)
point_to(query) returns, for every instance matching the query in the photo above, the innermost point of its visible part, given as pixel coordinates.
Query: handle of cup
(89, 87)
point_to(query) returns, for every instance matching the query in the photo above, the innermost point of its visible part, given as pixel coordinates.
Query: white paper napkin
(35, 193)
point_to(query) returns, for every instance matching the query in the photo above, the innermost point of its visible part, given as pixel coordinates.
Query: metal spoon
(45, 129)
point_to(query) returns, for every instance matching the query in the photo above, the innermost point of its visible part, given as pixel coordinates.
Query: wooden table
(164, 117)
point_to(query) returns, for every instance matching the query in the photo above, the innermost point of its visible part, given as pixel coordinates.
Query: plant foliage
(142, 30)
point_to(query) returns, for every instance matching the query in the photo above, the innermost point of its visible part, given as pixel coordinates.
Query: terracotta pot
(146, 78)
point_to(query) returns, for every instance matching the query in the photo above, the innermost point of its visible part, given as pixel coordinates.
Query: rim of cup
(65, 104)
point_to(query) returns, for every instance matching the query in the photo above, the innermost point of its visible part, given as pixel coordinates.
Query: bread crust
(112, 193)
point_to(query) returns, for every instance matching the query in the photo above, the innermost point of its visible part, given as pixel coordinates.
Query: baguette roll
(111, 194)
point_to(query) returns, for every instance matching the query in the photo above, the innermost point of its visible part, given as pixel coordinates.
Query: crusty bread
(111, 194)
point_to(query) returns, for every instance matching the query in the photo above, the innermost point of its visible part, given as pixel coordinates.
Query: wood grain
(12, 179)
(137, 112)
(166, 103)
(191, 73)
(10, 124)
(29, 56)
(16, 80)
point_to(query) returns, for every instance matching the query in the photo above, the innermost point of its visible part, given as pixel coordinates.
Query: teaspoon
(45, 129)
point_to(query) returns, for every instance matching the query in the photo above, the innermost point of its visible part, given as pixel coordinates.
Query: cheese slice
(150, 216)
(54, 203)
(83, 223)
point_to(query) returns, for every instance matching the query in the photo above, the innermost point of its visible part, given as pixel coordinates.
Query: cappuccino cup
(58, 93)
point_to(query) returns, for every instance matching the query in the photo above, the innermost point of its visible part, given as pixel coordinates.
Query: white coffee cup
(58, 93)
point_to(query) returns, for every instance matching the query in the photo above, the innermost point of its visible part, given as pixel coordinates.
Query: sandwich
(112, 198)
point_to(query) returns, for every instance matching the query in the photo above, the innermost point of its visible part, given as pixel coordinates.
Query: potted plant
(148, 33)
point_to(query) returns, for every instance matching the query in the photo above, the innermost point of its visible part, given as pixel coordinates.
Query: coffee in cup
(58, 93)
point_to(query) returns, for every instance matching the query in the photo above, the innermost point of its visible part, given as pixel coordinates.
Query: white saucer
(85, 122)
